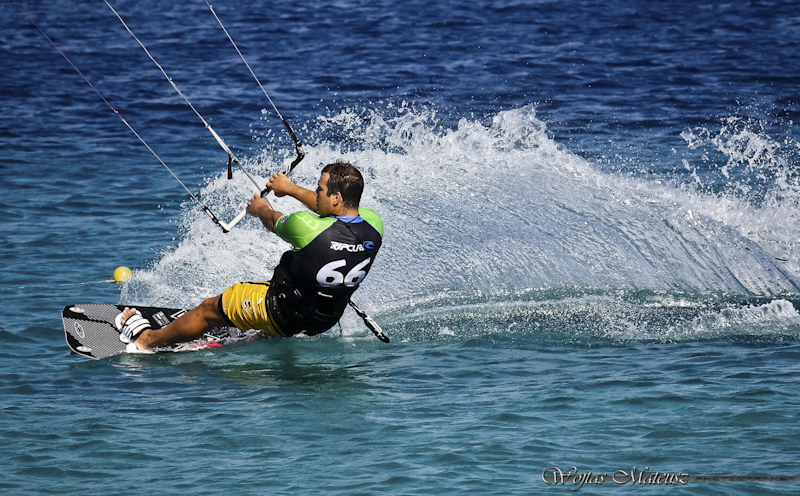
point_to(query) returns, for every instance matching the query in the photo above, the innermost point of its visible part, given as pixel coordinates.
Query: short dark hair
(346, 180)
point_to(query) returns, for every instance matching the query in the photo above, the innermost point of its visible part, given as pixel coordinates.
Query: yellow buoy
(122, 274)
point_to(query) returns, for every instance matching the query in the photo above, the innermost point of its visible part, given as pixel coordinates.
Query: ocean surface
(592, 218)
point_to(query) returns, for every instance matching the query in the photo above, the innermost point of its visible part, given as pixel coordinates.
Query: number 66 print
(329, 276)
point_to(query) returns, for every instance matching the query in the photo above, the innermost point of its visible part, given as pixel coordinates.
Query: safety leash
(370, 323)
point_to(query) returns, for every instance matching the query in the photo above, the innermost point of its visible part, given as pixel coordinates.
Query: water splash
(496, 211)
(757, 188)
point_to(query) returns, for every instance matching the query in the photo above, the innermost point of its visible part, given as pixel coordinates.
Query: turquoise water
(590, 259)
(352, 416)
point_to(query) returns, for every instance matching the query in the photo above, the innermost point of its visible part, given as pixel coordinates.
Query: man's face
(324, 202)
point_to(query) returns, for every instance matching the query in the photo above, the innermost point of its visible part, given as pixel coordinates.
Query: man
(331, 254)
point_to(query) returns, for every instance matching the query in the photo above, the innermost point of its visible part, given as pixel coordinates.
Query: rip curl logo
(366, 245)
(247, 306)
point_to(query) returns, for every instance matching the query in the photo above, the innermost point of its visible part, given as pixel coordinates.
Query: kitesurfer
(331, 254)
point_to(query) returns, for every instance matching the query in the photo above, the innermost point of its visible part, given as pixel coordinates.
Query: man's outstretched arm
(259, 207)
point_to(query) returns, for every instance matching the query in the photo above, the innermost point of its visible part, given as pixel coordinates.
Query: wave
(601, 318)
(498, 210)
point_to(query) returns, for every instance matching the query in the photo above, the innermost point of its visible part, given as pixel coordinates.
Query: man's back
(331, 256)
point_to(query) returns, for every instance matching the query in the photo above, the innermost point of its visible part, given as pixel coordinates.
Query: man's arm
(259, 207)
(281, 185)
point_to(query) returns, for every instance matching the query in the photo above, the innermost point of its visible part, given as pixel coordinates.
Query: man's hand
(281, 185)
(259, 207)
(256, 205)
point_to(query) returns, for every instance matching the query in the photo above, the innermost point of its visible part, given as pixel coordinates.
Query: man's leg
(187, 327)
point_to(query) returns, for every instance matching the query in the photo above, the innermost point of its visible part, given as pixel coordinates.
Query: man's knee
(211, 309)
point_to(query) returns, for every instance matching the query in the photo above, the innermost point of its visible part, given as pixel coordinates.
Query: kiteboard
(90, 330)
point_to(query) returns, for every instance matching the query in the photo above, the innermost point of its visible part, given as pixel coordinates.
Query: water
(591, 251)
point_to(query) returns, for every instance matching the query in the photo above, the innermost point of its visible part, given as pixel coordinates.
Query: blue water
(591, 256)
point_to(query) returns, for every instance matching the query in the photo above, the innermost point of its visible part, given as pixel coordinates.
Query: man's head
(344, 181)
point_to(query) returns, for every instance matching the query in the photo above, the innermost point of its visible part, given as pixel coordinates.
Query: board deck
(90, 331)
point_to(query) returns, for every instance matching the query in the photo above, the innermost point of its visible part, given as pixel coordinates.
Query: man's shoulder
(371, 218)
(302, 216)
(301, 224)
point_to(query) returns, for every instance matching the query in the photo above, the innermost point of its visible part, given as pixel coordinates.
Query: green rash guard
(330, 257)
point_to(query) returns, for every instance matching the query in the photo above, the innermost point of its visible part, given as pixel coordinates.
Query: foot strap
(130, 330)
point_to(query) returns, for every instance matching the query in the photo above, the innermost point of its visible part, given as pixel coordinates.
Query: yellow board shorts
(245, 305)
